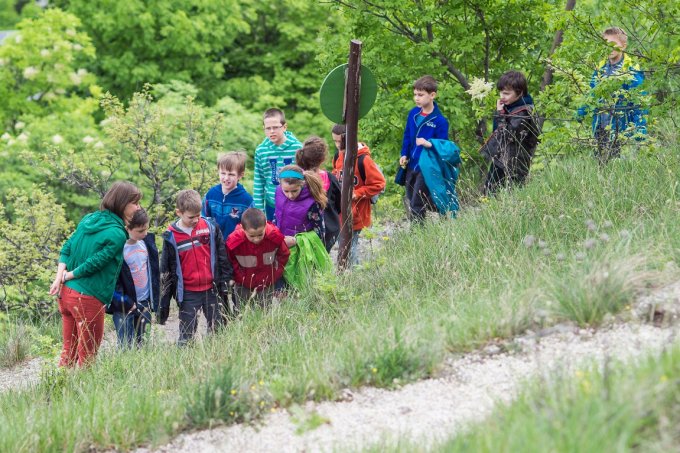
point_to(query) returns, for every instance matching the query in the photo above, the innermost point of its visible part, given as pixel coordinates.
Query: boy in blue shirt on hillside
(226, 201)
(424, 122)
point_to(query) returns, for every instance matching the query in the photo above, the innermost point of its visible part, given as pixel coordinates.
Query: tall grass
(444, 286)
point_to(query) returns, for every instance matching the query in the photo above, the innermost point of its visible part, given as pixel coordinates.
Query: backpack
(362, 173)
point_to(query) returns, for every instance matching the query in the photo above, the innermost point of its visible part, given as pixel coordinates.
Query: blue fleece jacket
(227, 209)
(434, 125)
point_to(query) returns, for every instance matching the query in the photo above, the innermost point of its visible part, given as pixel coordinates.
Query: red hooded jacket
(257, 266)
(363, 190)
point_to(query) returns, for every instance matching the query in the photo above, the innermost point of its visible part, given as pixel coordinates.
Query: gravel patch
(21, 375)
(432, 410)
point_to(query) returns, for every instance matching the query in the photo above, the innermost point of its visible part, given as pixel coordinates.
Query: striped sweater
(269, 159)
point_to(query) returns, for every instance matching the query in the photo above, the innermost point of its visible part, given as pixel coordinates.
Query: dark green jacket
(94, 253)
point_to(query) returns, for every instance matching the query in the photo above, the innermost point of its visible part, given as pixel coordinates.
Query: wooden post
(351, 120)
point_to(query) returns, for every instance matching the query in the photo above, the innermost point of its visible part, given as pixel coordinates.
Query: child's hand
(290, 241)
(423, 142)
(499, 105)
(403, 160)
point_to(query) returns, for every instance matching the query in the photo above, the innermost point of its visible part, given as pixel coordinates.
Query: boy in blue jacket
(424, 122)
(226, 201)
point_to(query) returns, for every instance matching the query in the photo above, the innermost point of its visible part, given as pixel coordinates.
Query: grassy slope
(450, 286)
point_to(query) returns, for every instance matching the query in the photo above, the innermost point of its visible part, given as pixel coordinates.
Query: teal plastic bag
(306, 258)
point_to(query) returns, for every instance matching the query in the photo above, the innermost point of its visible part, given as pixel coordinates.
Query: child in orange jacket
(364, 188)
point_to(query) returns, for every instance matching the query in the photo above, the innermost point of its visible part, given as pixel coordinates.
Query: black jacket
(331, 215)
(126, 296)
(171, 271)
(514, 139)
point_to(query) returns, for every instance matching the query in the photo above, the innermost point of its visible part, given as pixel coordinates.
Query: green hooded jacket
(94, 253)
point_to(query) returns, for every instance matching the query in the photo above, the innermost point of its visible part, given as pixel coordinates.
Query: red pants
(82, 320)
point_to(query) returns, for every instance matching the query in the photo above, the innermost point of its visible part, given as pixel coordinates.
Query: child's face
(255, 235)
(423, 99)
(618, 47)
(229, 179)
(291, 191)
(138, 233)
(188, 219)
(274, 130)
(508, 96)
(337, 139)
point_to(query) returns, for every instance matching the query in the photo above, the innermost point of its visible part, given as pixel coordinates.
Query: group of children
(229, 247)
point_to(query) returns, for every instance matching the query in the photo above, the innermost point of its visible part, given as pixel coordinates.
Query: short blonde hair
(616, 31)
(188, 200)
(232, 161)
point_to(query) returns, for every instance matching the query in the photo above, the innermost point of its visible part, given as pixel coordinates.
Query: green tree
(154, 41)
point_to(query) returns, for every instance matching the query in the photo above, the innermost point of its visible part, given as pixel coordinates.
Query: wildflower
(233, 391)
(484, 199)
(604, 237)
(88, 139)
(18, 38)
(374, 370)
(528, 241)
(580, 256)
(22, 137)
(252, 387)
(30, 72)
(19, 125)
(625, 234)
(77, 47)
(607, 224)
(10, 142)
(6, 136)
(57, 139)
(231, 413)
(75, 78)
(385, 238)
(98, 145)
(82, 72)
(590, 224)
(44, 53)
(261, 382)
(589, 243)
(479, 89)
(71, 32)
(546, 252)
(663, 378)
(560, 257)
(261, 403)
(542, 244)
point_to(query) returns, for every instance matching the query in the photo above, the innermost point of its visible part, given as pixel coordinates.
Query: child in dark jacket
(194, 267)
(515, 134)
(258, 254)
(311, 157)
(138, 286)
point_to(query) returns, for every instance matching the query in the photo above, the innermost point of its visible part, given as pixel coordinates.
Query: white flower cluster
(479, 89)
(30, 72)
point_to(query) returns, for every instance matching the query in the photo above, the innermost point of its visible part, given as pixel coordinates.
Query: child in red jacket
(258, 253)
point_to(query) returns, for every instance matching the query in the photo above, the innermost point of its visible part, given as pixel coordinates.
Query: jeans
(354, 248)
(130, 327)
(82, 318)
(195, 301)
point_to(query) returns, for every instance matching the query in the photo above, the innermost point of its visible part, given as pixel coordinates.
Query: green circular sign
(332, 93)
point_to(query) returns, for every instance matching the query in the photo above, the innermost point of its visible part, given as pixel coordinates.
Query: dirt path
(466, 390)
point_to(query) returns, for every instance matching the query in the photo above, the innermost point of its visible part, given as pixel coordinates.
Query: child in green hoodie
(89, 265)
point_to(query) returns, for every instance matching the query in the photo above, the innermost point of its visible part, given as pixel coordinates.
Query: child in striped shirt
(275, 152)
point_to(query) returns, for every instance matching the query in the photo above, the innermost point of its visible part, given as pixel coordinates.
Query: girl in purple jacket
(300, 201)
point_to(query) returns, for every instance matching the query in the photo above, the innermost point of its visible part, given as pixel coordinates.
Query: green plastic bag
(306, 258)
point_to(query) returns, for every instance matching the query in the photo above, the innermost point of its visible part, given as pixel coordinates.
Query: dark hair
(253, 218)
(139, 219)
(119, 196)
(341, 130)
(188, 200)
(426, 83)
(514, 80)
(275, 113)
(312, 154)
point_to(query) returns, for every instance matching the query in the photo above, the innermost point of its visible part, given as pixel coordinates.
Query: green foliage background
(152, 91)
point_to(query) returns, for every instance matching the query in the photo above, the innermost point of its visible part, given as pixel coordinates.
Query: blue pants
(130, 327)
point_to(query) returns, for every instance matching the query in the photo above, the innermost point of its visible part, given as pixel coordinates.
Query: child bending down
(258, 254)
(298, 213)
